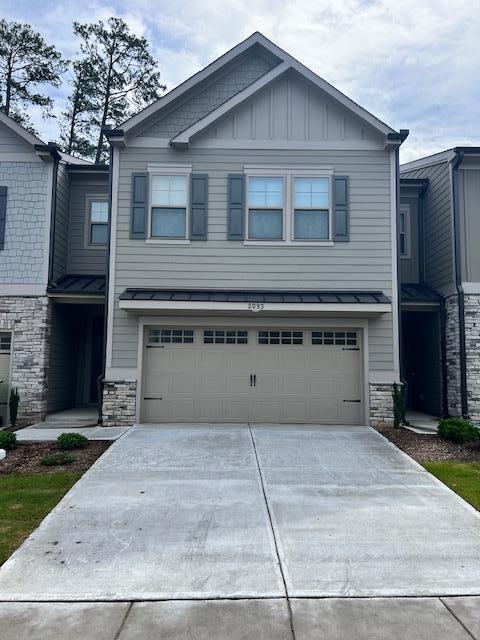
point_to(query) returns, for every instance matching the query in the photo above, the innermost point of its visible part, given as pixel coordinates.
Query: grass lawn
(462, 477)
(25, 499)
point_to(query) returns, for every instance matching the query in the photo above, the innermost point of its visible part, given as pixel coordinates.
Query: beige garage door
(252, 375)
(5, 346)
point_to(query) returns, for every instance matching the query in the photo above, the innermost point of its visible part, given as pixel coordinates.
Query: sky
(413, 64)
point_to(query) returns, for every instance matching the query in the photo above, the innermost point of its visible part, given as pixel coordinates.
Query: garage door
(252, 375)
(5, 346)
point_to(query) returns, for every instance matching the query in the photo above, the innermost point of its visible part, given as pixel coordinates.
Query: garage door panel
(211, 382)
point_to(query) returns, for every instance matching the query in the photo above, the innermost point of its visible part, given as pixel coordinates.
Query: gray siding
(11, 143)
(233, 79)
(22, 260)
(409, 267)
(362, 263)
(83, 259)
(62, 372)
(61, 223)
(470, 223)
(439, 270)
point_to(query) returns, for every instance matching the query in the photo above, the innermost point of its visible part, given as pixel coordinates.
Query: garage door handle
(254, 379)
(350, 349)
(352, 400)
(153, 398)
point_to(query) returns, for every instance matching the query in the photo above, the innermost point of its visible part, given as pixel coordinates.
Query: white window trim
(89, 198)
(405, 210)
(168, 170)
(288, 174)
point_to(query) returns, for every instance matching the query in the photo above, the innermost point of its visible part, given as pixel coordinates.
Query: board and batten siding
(469, 201)
(11, 143)
(84, 259)
(439, 270)
(364, 263)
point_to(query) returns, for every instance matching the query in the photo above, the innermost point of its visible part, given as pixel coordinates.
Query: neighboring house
(53, 246)
(253, 255)
(439, 230)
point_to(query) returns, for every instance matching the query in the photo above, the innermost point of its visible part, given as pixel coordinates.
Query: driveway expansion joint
(452, 613)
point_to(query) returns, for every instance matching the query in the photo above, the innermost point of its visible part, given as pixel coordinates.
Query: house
(439, 229)
(53, 248)
(253, 254)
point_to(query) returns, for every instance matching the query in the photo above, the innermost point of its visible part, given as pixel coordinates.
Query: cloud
(414, 65)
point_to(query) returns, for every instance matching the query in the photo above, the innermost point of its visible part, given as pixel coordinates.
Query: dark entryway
(421, 360)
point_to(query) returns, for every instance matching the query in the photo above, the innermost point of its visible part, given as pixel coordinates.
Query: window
(5, 341)
(280, 337)
(225, 336)
(338, 338)
(265, 208)
(169, 206)
(170, 336)
(289, 205)
(311, 208)
(404, 232)
(97, 222)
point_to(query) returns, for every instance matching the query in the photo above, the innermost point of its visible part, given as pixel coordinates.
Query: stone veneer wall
(30, 321)
(381, 404)
(452, 348)
(472, 348)
(119, 398)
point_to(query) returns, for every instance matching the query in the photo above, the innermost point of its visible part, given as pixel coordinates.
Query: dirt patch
(25, 458)
(430, 447)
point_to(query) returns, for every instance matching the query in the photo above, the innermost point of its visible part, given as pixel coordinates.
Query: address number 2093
(256, 306)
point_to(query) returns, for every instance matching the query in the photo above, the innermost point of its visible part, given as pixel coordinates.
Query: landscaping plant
(458, 430)
(69, 441)
(13, 404)
(8, 440)
(56, 459)
(398, 405)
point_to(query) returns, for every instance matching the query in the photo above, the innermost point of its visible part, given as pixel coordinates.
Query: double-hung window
(404, 232)
(169, 195)
(289, 205)
(97, 222)
(311, 206)
(265, 208)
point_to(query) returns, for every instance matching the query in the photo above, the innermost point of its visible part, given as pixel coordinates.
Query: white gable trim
(183, 138)
(437, 158)
(19, 130)
(256, 38)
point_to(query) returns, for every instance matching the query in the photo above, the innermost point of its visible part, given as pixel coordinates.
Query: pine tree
(76, 125)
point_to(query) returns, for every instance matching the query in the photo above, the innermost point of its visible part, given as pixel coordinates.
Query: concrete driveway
(277, 518)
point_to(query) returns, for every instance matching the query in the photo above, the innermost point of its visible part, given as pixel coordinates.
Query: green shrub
(13, 405)
(69, 441)
(8, 440)
(55, 459)
(458, 430)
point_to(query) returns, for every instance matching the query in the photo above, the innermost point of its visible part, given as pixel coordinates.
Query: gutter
(51, 149)
(455, 163)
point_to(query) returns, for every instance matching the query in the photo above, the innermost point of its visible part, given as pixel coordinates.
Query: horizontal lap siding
(362, 263)
(438, 226)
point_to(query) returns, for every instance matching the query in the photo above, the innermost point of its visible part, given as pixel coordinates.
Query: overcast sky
(414, 64)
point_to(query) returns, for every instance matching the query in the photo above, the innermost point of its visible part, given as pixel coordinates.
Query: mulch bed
(25, 458)
(430, 447)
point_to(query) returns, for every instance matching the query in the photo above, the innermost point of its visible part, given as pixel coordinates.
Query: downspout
(455, 163)
(101, 377)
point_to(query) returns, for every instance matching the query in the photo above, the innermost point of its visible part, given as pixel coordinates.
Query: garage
(252, 374)
(5, 348)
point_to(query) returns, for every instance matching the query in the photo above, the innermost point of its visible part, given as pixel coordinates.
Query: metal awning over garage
(358, 302)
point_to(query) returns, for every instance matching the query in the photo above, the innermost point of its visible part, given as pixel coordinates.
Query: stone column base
(119, 403)
(381, 404)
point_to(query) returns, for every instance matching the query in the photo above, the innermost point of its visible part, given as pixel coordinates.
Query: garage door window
(338, 338)
(169, 336)
(225, 336)
(280, 337)
(5, 342)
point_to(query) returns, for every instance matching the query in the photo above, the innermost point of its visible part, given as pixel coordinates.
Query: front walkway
(273, 526)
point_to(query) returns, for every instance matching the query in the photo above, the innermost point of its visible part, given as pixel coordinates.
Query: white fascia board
(19, 130)
(164, 305)
(198, 77)
(182, 140)
(437, 158)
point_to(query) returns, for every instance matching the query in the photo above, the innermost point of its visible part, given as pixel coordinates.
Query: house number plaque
(256, 306)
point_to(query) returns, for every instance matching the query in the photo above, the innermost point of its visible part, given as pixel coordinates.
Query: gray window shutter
(3, 215)
(138, 222)
(198, 206)
(341, 217)
(236, 206)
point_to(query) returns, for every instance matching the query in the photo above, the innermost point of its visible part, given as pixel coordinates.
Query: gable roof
(436, 158)
(19, 130)
(285, 63)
